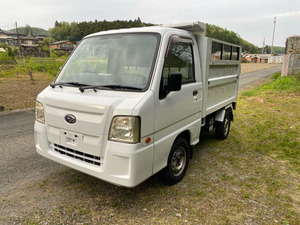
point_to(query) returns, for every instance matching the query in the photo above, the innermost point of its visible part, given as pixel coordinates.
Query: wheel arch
(220, 114)
(178, 159)
(187, 136)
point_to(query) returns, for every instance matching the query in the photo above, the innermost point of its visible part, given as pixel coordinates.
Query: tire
(223, 128)
(178, 162)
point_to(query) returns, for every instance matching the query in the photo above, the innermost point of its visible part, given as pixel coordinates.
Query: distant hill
(35, 30)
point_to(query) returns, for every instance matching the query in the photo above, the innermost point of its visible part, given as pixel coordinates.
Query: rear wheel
(223, 128)
(177, 162)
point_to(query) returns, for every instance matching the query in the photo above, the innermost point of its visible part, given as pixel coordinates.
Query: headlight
(125, 129)
(39, 112)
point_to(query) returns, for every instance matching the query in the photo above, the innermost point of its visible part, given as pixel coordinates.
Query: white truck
(130, 103)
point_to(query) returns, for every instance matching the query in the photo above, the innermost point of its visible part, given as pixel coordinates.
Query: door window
(180, 59)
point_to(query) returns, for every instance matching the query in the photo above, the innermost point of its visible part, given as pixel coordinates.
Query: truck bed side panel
(221, 76)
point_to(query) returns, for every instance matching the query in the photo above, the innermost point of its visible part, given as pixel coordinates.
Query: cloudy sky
(252, 20)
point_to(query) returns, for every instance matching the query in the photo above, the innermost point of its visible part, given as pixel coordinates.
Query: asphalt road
(253, 77)
(20, 165)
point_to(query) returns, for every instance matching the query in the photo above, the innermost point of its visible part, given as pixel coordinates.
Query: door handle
(195, 92)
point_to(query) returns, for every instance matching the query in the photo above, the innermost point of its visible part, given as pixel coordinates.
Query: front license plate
(71, 139)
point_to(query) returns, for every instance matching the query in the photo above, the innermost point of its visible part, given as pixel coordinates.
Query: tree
(61, 32)
(75, 33)
(26, 66)
(267, 49)
(10, 54)
(45, 44)
(139, 20)
(56, 24)
(216, 32)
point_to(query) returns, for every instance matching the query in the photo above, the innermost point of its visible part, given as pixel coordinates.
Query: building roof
(59, 42)
(28, 38)
(262, 56)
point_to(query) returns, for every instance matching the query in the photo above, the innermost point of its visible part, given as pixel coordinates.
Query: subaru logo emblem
(70, 118)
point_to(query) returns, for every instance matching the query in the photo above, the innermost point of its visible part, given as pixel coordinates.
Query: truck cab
(130, 103)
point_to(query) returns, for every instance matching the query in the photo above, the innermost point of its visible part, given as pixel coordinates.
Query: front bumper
(122, 164)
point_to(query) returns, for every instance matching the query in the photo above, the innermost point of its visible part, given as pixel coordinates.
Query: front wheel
(178, 162)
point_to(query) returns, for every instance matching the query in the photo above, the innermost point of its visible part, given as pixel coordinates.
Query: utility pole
(49, 38)
(274, 21)
(18, 41)
(263, 47)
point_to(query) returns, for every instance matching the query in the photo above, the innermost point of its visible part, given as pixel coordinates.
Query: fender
(220, 114)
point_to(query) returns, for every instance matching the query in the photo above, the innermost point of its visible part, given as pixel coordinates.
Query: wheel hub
(178, 161)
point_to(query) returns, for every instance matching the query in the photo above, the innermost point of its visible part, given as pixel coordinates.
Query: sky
(253, 20)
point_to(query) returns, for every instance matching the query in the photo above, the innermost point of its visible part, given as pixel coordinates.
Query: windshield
(119, 60)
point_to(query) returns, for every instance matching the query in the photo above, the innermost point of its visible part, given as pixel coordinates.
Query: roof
(59, 42)
(28, 38)
(194, 27)
(256, 55)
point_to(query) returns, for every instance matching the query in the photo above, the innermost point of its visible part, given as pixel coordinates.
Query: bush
(6, 59)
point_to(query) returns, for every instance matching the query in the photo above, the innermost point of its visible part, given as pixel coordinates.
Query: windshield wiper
(118, 86)
(112, 86)
(76, 84)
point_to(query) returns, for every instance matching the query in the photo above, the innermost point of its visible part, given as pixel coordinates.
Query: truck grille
(92, 159)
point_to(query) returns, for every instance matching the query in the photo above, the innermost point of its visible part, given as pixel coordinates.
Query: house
(251, 58)
(9, 40)
(255, 58)
(28, 42)
(62, 45)
(41, 37)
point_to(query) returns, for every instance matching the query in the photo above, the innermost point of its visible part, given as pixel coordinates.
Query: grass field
(249, 67)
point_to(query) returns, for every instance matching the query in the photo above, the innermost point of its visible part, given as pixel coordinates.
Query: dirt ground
(19, 92)
(250, 67)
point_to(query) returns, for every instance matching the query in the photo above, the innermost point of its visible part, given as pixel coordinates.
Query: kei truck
(130, 103)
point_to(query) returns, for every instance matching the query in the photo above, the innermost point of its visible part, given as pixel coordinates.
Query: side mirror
(174, 81)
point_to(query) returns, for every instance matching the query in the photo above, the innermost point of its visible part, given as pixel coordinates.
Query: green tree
(9, 55)
(75, 33)
(61, 32)
(267, 49)
(219, 33)
(56, 24)
(27, 66)
(45, 44)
